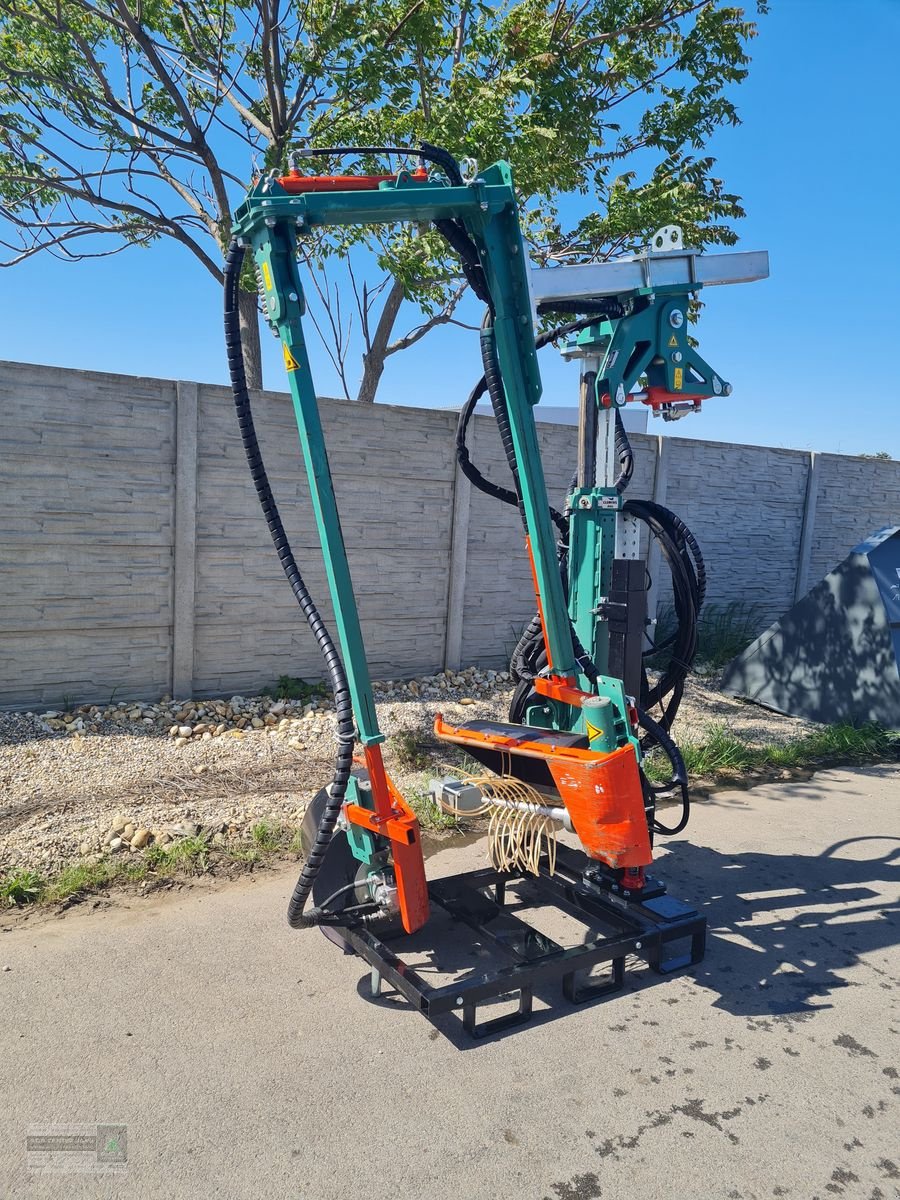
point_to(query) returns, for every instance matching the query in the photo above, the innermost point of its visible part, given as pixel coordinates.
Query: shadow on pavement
(782, 927)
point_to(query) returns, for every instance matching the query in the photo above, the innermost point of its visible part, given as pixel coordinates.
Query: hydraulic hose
(679, 778)
(333, 665)
(498, 402)
(468, 468)
(685, 562)
(624, 454)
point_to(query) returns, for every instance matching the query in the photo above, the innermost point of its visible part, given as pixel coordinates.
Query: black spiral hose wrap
(497, 394)
(334, 667)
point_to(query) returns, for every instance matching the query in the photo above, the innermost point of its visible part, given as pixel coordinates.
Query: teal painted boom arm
(270, 220)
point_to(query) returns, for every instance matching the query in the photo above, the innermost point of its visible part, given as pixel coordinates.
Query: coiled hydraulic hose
(660, 735)
(297, 918)
(468, 468)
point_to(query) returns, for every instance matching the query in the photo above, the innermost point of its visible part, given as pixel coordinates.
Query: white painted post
(184, 571)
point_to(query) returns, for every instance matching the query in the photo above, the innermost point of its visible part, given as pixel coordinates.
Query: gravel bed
(115, 779)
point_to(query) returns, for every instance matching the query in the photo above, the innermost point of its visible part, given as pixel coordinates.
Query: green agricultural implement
(585, 710)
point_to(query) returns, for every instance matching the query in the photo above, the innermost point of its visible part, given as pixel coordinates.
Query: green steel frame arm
(270, 220)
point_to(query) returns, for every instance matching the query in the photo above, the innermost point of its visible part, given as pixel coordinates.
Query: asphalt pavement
(244, 1060)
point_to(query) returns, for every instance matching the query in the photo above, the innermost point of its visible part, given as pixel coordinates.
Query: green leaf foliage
(123, 121)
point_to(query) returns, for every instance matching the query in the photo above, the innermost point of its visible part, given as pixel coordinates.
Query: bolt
(292, 295)
(727, 390)
(676, 318)
(459, 999)
(637, 945)
(676, 357)
(484, 207)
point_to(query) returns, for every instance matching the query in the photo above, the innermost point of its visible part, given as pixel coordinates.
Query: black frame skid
(643, 926)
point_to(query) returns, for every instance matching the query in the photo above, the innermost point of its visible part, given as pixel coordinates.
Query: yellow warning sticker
(678, 383)
(673, 340)
(289, 361)
(267, 276)
(592, 731)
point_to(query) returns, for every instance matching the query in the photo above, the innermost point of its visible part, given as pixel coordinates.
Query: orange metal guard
(602, 792)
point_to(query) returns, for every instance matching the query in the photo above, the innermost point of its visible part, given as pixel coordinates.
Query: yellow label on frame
(673, 340)
(592, 731)
(267, 275)
(679, 379)
(289, 361)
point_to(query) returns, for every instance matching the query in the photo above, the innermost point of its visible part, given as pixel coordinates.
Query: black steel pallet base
(647, 927)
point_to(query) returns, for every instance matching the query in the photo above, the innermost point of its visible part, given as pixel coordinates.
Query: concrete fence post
(807, 529)
(185, 555)
(660, 487)
(459, 549)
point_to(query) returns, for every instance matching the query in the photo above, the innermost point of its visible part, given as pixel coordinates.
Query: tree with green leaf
(126, 121)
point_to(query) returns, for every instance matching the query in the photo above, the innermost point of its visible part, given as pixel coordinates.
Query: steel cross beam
(619, 276)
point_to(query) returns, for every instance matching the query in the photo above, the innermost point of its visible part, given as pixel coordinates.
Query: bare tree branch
(441, 318)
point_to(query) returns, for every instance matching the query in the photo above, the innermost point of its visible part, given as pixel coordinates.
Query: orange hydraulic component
(602, 792)
(394, 819)
(560, 688)
(657, 396)
(294, 182)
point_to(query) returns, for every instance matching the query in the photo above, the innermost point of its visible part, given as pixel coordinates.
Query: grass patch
(723, 631)
(246, 855)
(288, 687)
(81, 877)
(409, 751)
(722, 754)
(21, 887)
(190, 854)
(268, 836)
(429, 813)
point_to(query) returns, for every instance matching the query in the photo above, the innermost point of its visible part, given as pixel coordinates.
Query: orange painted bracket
(394, 819)
(397, 827)
(560, 688)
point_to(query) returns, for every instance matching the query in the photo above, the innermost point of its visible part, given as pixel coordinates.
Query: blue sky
(809, 352)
